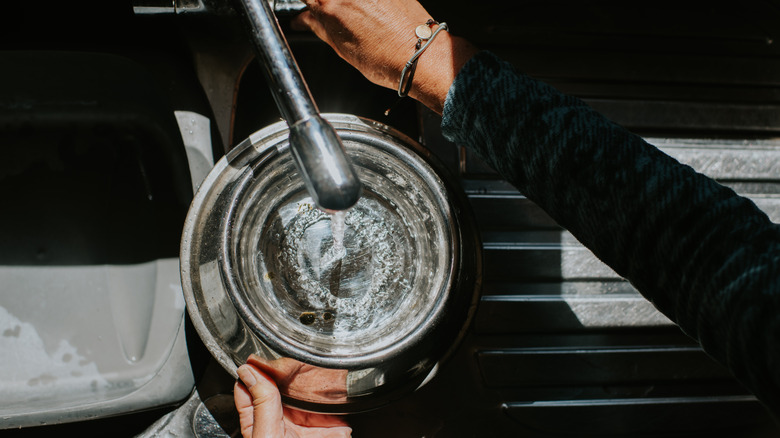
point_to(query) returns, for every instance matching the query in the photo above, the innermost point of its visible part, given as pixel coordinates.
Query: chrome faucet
(316, 147)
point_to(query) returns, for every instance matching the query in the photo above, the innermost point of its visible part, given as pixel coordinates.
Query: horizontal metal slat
(597, 366)
(516, 212)
(526, 262)
(509, 212)
(726, 159)
(756, 160)
(568, 288)
(739, 416)
(645, 115)
(537, 314)
(596, 68)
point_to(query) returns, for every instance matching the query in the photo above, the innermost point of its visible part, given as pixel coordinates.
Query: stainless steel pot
(348, 311)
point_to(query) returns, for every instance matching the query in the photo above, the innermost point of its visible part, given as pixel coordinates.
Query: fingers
(314, 420)
(244, 406)
(259, 404)
(282, 370)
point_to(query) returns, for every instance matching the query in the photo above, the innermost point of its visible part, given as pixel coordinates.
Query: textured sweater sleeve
(706, 257)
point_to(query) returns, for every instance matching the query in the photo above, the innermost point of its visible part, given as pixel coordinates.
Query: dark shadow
(93, 172)
(335, 86)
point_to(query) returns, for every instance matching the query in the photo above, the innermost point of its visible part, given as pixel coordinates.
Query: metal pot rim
(277, 340)
(452, 312)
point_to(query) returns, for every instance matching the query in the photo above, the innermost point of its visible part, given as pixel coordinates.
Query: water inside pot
(348, 285)
(367, 292)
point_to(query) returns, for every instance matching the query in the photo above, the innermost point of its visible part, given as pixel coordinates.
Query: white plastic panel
(80, 342)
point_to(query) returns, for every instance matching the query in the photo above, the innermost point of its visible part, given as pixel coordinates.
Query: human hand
(377, 37)
(259, 402)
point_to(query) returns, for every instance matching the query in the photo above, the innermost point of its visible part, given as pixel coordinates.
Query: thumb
(259, 404)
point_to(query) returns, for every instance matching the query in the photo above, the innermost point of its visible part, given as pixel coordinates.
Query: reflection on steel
(155, 7)
(319, 155)
(288, 5)
(194, 419)
(217, 7)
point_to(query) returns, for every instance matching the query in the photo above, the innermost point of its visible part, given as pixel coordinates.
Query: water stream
(345, 264)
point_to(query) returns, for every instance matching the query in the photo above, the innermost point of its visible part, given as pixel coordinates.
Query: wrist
(437, 68)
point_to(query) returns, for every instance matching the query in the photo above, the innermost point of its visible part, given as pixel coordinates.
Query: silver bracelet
(425, 34)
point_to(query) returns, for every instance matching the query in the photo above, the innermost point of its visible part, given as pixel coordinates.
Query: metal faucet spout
(316, 147)
(325, 168)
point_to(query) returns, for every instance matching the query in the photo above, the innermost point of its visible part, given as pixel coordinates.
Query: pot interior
(352, 286)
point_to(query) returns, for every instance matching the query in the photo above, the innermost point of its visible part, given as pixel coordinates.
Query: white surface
(84, 341)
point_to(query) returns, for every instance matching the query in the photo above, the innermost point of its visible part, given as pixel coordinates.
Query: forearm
(706, 257)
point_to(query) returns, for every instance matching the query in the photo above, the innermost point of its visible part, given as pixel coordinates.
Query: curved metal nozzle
(319, 154)
(323, 164)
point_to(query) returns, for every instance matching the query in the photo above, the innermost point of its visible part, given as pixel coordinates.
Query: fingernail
(246, 375)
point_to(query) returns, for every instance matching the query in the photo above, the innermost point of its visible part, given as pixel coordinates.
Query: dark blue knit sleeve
(706, 257)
